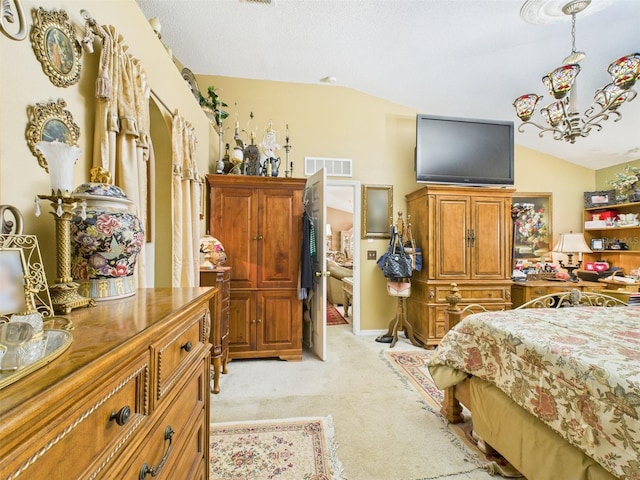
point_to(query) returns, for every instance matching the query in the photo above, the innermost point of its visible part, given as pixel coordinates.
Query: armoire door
(278, 326)
(450, 229)
(490, 238)
(242, 321)
(234, 222)
(280, 224)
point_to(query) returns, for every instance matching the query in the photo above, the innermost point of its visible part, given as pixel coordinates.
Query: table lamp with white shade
(570, 244)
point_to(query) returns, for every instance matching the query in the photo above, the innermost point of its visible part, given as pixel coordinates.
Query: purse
(397, 263)
(398, 289)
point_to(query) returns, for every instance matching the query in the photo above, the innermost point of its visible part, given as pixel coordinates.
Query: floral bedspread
(576, 369)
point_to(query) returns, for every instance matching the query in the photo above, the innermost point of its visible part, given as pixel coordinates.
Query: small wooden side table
(347, 289)
(219, 337)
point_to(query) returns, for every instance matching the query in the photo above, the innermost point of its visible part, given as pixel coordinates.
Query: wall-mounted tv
(464, 151)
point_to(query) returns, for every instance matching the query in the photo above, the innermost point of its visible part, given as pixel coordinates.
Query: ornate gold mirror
(50, 121)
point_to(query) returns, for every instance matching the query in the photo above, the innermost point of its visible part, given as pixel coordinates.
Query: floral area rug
(412, 368)
(334, 317)
(289, 449)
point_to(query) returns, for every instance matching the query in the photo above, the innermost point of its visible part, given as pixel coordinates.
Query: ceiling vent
(260, 2)
(335, 167)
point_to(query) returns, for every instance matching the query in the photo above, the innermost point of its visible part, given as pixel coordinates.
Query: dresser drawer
(190, 461)
(169, 439)
(476, 294)
(175, 351)
(82, 441)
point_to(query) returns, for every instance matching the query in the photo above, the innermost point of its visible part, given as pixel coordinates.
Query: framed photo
(50, 121)
(597, 244)
(531, 214)
(56, 47)
(600, 198)
(377, 211)
(23, 283)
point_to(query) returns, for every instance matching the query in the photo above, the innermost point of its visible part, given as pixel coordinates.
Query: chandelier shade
(562, 117)
(624, 70)
(560, 81)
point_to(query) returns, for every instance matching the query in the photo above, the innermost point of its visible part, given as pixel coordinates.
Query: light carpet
(384, 428)
(334, 317)
(288, 449)
(412, 366)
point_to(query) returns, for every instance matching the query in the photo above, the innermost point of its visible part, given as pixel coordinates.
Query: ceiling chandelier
(562, 116)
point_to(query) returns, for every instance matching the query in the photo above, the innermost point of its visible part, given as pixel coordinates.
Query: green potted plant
(212, 105)
(625, 182)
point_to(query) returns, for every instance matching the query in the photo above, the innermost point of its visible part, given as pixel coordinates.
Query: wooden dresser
(259, 222)
(128, 399)
(219, 277)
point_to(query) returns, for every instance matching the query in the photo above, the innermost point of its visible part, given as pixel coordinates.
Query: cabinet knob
(187, 346)
(258, 321)
(121, 416)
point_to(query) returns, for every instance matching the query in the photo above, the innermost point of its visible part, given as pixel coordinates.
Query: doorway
(343, 245)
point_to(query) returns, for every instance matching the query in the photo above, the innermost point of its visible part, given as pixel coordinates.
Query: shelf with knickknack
(613, 234)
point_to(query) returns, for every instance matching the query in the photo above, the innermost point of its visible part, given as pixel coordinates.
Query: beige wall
(23, 83)
(333, 121)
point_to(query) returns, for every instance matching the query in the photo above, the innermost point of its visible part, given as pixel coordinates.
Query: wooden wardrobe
(259, 222)
(465, 237)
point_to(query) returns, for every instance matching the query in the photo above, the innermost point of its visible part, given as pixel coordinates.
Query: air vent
(261, 2)
(335, 167)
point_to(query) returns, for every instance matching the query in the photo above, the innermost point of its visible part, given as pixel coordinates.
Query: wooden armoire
(465, 237)
(259, 222)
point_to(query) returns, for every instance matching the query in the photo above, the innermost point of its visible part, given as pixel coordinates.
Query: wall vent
(335, 167)
(260, 2)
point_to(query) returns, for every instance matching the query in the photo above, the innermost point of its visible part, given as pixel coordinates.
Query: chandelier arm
(557, 133)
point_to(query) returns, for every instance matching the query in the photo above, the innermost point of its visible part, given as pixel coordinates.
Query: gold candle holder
(64, 293)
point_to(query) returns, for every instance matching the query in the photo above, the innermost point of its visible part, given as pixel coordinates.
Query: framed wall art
(531, 214)
(56, 47)
(22, 278)
(48, 122)
(377, 210)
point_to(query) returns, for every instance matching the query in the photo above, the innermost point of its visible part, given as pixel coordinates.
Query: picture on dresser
(531, 214)
(23, 283)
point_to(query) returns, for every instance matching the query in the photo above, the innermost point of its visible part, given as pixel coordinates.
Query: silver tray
(38, 353)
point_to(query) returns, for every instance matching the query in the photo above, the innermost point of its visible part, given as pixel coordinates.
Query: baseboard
(363, 333)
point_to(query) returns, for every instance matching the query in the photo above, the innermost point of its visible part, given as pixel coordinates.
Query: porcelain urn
(106, 239)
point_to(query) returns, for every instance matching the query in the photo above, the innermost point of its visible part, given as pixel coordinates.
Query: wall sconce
(570, 244)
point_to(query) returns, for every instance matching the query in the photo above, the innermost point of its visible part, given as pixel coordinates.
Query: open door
(316, 209)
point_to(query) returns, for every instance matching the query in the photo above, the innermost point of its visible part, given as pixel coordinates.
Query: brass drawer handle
(121, 416)
(154, 471)
(186, 346)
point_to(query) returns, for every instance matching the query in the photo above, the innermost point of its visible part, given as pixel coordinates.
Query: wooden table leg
(217, 367)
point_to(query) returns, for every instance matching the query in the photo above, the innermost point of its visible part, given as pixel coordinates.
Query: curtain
(186, 191)
(121, 134)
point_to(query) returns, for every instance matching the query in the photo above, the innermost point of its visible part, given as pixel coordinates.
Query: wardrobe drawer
(82, 441)
(174, 352)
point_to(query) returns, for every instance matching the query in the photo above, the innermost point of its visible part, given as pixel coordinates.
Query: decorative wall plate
(55, 45)
(50, 121)
(193, 83)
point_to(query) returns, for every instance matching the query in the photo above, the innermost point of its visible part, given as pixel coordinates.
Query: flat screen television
(464, 151)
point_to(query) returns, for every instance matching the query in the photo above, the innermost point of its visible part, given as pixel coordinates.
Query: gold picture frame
(377, 210)
(56, 47)
(50, 121)
(21, 269)
(531, 214)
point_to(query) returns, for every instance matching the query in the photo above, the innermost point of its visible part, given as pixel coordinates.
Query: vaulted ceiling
(462, 58)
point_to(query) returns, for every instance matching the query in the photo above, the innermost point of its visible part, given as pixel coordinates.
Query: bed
(555, 390)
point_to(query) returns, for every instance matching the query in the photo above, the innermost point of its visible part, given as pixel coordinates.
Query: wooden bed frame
(460, 394)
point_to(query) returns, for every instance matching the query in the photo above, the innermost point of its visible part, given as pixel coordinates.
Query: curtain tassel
(103, 86)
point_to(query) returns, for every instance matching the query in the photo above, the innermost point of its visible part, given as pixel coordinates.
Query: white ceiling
(464, 58)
